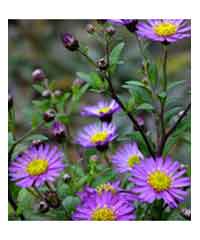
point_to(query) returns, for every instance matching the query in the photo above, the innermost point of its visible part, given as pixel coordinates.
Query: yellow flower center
(104, 110)
(99, 137)
(105, 187)
(133, 160)
(165, 29)
(159, 181)
(103, 214)
(37, 167)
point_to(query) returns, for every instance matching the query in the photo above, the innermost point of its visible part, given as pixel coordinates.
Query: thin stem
(165, 68)
(92, 62)
(116, 98)
(172, 129)
(49, 186)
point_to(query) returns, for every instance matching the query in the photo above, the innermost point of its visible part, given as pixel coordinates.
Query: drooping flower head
(37, 165)
(104, 207)
(97, 135)
(126, 157)
(160, 179)
(130, 24)
(165, 30)
(104, 110)
(58, 130)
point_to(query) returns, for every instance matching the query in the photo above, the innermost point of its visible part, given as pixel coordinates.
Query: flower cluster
(117, 173)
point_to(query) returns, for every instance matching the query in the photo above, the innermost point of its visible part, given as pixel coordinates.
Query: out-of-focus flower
(38, 75)
(127, 157)
(78, 82)
(70, 42)
(58, 130)
(97, 135)
(160, 179)
(37, 165)
(165, 30)
(110, 31)
(104, 207)
(46, 93)
(103, 110)
(130, 24)
(57, 93)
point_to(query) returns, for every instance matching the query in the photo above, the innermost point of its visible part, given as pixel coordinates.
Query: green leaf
(146, 107)
(36, 137)
(65, 119)
(38, 88)
(10, 140)
(115, 55)
(153, 73)
(132, 84)
(83, 76)
(174, 85)
(70, 202)
(42, 105)
(95, 80)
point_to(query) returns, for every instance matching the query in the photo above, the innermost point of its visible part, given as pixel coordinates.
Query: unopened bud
(49, 115)
(10, 101)
(70, 42)
(102, 64)
(110, 31)
(57, 93)
(52, 199)
(46, 93)
(58, 130)
(38, 75)
(90, 28)
(43, 207)
(66, 178)
(186, 213)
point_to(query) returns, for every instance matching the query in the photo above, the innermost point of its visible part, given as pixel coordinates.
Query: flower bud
(102, 64)
(46, 93)
(57, 93)
(37, 143)
(58, 130)
(38, 75)
(78, 82)
(132, 26)
(186, 213)
(90, 28)
(66, 178)
(10, 101)
(49, 115)
(110, 31)
(52, 199)
(70, 42)
(43, 207)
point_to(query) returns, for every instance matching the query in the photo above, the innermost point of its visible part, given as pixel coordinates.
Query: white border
(99, 9)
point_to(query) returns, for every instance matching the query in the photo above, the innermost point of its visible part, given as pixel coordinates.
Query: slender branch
(172, 129)
(116, 98)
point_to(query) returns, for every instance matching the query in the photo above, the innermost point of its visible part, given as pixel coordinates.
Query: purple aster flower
(37, 165)
(165, 30)
(113, 187)
(58, 130)
(104, 207)
(160, 179)
(126, 157)
(104, 110)
(130, 24)
(97, 135)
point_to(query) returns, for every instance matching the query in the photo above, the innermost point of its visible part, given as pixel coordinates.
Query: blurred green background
(37, 43)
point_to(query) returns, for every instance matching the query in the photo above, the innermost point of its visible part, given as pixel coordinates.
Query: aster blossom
(160, 179)
(130, 24)
(97, 135)
(104, 207)
(103, 110)
(36, 166)
(126, 157)
(165, 30)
